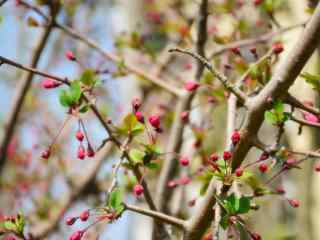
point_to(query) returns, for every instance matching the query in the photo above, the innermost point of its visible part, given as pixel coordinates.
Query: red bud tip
(191, 86)
(263, 167)
(84, 215)
(184, 161)
(239, 172)
(138, 190)
(46, 154)
(79, 136)
(154, 120)
(49, 83)
(81, 152)
(227, 155)
(69, 55)
(76, 235)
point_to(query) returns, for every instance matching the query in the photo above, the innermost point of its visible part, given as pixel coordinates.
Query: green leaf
(88, 77)
(75, 91)
(137, 129)
(313, 80)
(20, 223)
(278, 107)
(10, 226)
(84, 108)
(115, 200)
(1, 19)
(270, 117)
(136, 155)
(65, 99)
(224, 221)
(244, 205)
(152, 165)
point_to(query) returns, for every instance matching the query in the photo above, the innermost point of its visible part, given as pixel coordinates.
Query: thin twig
(222, 78)
(252, 41)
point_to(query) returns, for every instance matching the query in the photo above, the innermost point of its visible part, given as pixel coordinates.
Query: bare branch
(157, 216)
(253, 41)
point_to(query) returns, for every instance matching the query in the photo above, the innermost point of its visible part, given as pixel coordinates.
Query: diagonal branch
(222, 78)
(255, 40)
(157, 215)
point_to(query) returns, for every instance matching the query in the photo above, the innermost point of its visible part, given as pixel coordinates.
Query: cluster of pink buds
(82, 152)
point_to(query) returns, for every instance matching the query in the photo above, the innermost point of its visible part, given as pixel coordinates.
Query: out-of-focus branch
(110, 56)
(252, 41)
(3, 2)
(176, 133)
(21, 93)
(277, 87)
(44, 228)
(164, 194)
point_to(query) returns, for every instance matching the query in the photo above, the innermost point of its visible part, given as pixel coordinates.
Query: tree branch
(277, 87)
(157, 216)
(253, 41)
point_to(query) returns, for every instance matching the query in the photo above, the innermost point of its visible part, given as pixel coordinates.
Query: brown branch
(157, 216)
(22, 90)
(293, 101)
(304, 122)
(256, 40)
(277, 87)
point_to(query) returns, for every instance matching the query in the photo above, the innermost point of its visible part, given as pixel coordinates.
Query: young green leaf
(88, 77)
(136, 155)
